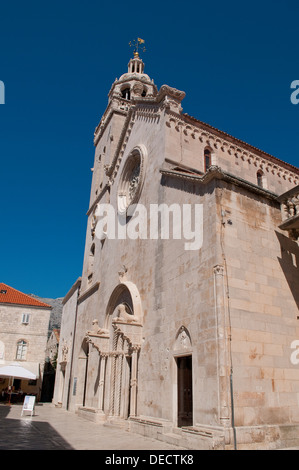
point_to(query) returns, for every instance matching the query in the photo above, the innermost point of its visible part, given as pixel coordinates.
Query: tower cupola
(135, 84)
(136, 64)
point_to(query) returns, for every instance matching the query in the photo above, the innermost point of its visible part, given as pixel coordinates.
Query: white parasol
(16, 371)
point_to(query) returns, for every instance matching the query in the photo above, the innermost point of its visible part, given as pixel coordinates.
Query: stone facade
(190, 346)
(52, 345)
(65, 351)
(23, 337)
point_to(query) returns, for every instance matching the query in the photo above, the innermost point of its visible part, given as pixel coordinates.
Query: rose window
(131, 180)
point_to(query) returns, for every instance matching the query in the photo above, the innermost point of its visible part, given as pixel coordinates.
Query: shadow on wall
(289, 263)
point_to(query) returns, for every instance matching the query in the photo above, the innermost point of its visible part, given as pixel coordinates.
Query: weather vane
(136, 44)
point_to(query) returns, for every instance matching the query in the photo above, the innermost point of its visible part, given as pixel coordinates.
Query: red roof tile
(8, 295)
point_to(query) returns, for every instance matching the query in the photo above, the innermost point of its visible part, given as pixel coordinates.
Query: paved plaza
(53, 428)
(56, 429)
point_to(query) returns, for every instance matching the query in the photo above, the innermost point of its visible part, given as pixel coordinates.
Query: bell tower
(136, 65)
(135, 84)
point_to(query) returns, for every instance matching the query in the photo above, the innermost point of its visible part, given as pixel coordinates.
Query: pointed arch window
(207, 159)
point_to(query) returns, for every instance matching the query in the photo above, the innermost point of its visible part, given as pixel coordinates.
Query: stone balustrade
(290, 212)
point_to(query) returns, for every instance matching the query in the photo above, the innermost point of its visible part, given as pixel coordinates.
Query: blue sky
(235, 61)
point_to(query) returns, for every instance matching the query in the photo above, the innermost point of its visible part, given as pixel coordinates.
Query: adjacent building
(23, 336)
(183, 322)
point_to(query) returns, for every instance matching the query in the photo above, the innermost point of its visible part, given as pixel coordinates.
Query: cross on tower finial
(136, 44)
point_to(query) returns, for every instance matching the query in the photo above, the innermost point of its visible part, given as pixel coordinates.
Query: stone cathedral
(195, 347)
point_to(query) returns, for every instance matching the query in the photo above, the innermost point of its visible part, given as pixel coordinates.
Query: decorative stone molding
(168, 91)
(290, 212)
(291, 206)
(266, 163)
(132, 178)
(117, 105)
(124, 314)
(131, 289)
(112, 169)
(130, 332)
(96, 331)
(222, 342)
(215, 171)
(183, 341)
(64, 353)
(218, 270)
(91, 290)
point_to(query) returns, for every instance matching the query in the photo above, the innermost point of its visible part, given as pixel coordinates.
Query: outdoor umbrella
(16, 371)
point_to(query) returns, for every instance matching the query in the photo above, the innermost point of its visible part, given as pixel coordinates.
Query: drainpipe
(233, 408)
(223, 223)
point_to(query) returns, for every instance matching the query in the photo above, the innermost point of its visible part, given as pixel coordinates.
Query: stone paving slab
(56, 429)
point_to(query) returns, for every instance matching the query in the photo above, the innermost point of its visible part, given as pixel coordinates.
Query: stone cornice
(75, 286)
(168, 101)
(217, 139)
(98, 198)
(289, 194)
(234, 146)
(218, 173)
(121, 145)
(83, 296)
(166, 90)
(147, 107)
(110, 111)
(290, 212)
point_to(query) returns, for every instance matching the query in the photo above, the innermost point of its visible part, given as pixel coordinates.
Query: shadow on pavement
(27, 433)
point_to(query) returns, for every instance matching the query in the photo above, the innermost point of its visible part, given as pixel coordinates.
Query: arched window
(21, 350)
(207, 159)
(260, 178)
(126, 93)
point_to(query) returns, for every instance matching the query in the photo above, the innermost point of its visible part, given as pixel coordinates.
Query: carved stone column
(112, 383)
(103, 360)
(82, 380)
(222, 346)
(133, 401)
(118, 377)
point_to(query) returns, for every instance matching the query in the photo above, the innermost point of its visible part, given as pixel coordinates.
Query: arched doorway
(124, 324)
(118, 344)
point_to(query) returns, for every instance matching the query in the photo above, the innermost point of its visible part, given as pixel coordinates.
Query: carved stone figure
(96, 330)
(124, 314)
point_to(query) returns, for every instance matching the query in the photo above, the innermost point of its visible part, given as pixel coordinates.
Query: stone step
(117, 423)
(172, 438)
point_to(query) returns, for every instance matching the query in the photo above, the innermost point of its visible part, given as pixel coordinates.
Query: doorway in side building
(184, 391)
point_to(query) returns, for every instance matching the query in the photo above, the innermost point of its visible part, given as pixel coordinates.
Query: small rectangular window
(25, 318)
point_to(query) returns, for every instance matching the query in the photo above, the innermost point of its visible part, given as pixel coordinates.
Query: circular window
(131, 180)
